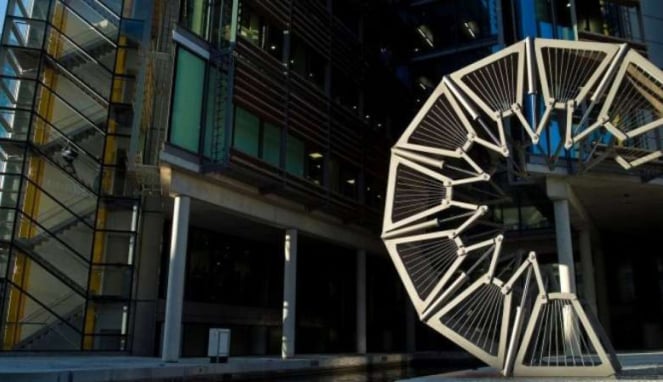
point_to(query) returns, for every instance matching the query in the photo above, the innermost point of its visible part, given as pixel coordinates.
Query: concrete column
(289, 294)
(566, 268)
(587, 264)
(146, 279)
(361, 301)
(175, 294)
(410, 327)
(564, 246)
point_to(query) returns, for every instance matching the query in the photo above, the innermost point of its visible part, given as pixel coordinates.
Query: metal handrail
(30, 295)
(79, 16)
(34, 184)
(80, 48)
(44, 229)
(34, 315)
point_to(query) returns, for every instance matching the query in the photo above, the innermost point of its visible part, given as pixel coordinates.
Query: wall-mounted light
(315, 155)
(425, 33)
(424, 83)
(471, 28)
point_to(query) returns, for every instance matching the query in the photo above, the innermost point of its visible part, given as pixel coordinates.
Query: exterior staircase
(66, 158)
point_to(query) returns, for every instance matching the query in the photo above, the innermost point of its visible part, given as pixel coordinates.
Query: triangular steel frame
(636, 59)
(435, 322)
(423, 303)
(608, 365)
(445, 183)
(516, 105)
(588, 84)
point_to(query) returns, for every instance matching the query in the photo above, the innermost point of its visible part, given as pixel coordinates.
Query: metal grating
(441, 128)
(427, 261)
(415, 192)
(496, 83)
(569, 70)
(479, 318)
(559, 339)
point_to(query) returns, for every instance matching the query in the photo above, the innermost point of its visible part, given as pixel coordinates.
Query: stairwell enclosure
(69, 217)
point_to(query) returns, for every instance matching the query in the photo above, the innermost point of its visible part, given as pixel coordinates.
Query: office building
(225, 162)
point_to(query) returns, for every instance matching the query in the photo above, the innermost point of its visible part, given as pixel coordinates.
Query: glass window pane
(533, 218)
(274, 42)
(247, 131)
(187, 101)
(194, 16)
(210, 121)
(295, 156)
(349, 179)
(298, 57)
(334, 175)
(314, 168)
(251, 26)
(510, 216)
(271, 144)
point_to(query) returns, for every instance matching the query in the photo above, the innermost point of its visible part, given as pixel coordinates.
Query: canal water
(378, 374)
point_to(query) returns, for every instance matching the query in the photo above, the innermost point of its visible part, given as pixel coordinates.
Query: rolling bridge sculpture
(437, 227)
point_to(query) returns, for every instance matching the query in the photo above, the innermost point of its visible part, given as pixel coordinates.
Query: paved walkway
(85, 368)
(635, 366)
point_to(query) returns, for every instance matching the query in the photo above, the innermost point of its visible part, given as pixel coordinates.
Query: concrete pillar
(146, 279)
(566, 268)
(289, 294)
(564, 246)
(175, 293)
(410, 327)
(587, 264)
(361, 301)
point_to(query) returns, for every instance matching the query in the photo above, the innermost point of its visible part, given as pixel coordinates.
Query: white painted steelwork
(436, 225)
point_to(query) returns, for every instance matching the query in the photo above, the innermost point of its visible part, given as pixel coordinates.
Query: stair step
(59, 228)
(68, 322)
(82, 85)
(60, 275)
(103, 11)
(77, 136)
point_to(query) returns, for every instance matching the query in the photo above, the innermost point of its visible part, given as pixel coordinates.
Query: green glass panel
(295, 156)
(271, 144)
(247, 131)
(187, 101)
(210, 119)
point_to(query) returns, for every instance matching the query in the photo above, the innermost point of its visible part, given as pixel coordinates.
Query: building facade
(171, 166)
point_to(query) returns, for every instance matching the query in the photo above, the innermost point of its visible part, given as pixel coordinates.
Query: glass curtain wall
(67, 216)
(197, 83)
